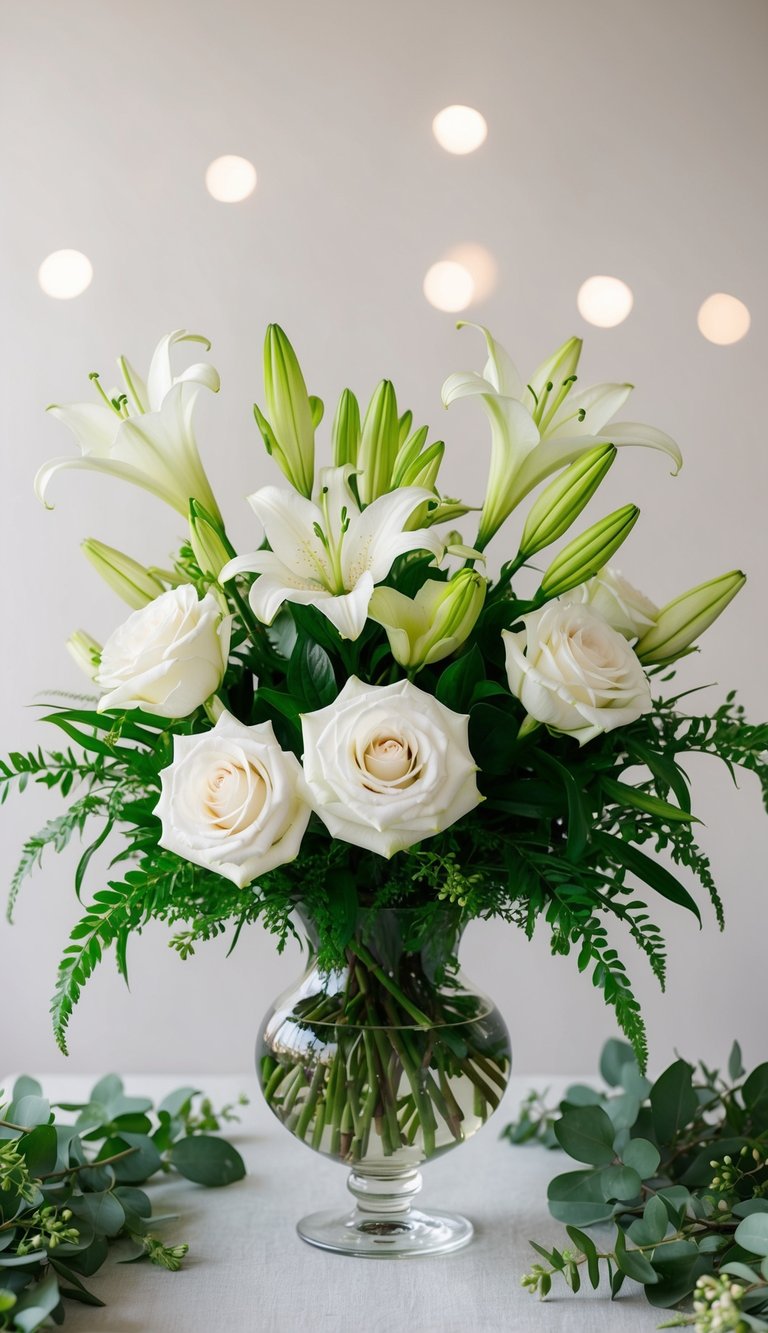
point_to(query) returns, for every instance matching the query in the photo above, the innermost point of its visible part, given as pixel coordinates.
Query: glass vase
(383, 1064)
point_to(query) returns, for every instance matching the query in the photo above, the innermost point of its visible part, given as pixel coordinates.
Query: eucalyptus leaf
(643, 1156)
(207, 1160)
(587, 1134)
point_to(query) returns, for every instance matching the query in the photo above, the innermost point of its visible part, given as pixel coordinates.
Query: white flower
(233, 801)
(167, 658)
(388, 766)
(613, 597)
(574, 673)
(143, 434)
(330, 554)
(541, 426)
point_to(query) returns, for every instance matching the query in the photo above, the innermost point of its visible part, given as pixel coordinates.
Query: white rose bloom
(625, 608)
(388, 765)
(574, 673)
(233, 801)
(168, 657)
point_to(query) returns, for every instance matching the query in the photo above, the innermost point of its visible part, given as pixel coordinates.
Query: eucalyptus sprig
(69, 1190)
(679, 1169)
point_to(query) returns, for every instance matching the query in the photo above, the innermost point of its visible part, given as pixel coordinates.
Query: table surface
(247, 1270)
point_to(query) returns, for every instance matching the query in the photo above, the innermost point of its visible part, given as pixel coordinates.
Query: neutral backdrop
(624, 138)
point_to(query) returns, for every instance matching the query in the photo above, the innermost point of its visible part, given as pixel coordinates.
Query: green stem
(378, 972)
(307, 1110)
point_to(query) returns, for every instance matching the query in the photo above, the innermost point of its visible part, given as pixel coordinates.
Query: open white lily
(330, 554)
(143, 433)
(542, 426)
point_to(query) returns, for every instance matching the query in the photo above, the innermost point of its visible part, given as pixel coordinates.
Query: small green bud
(345, 433)
(561, 502)
(586, 554)
(86, 652)
(407, 454)
(130, 580)
(209, 541)
(681, 622)
(291, 416)
(378, 444)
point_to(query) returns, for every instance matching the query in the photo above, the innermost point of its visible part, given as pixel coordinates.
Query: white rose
(388, 765)
(574, 673)
(625, 608)
(233, 801)
(167, 658)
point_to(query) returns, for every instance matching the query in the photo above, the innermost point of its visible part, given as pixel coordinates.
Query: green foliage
(70, 1189)
(680, 1169)
(572, 840)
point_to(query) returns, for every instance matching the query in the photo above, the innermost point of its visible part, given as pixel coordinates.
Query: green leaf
(651, 1228)
(40, 1150)
(177, 1101)
(587, 1134)
(26, 1087)
(625, 795)
(35, 1305)
(576, 1197)
(735, 1064)
(621, 1183)
(311, 677)
(579, 822)
(107, 1090)
(634, 1264)
(752, 1234)
(613, 1057)
(101, 1209)
(737, 1269)
(29, 1110)
(143, 1161)
(652, 873)
(458, 681)
(207, 1160)
(643, 1156)
(493, 737)
(755, 1092)
(673, 1101)
(678, 1264)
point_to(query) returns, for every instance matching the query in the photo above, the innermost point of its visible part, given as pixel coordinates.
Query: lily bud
(125, 576)
(586, 554)
(209, 541)
(680, 623)
(345, 433)
(423, 472)
(379, 443)
(406, 421)
(85, 651)
(290, 436)
(561, 502)
(407, 454)
(434, 623)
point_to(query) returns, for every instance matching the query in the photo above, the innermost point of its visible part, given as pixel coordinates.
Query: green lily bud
(345, 433)
(86, 652)
(406, 421)
(680, 623)
(586, 554)
(209, 542)
(290, 436)
(317, 408)
(434, 623)
(378, 445)
(561, 502)
(423, 472)
(408, 452)
(125, 576)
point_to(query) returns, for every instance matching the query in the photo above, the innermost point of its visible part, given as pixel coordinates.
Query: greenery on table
(679, 1169)
(69, 1190)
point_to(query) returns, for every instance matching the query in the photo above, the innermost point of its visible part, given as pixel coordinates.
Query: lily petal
(107, 466)
(349, 612)
(161, 379)
(94, 425)
(464, 384)
(599, 404)
(290, 522)
(553, 455)
(635, 432)
(500, 370)
(376, 538)
(556, 368)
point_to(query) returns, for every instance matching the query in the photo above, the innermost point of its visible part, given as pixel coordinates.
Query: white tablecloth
(248, 1272)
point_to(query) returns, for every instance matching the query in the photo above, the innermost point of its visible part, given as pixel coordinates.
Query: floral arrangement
(355, 714)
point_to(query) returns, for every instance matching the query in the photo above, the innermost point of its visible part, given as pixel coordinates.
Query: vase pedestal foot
(386, 1236)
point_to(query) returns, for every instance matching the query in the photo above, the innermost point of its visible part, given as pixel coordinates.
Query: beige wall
(624, 138)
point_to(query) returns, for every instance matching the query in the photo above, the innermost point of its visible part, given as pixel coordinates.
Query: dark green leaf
(587, 1134)
(735, 1064)
(755, 1094)
(310, 675)
(673, 1101)
(576, 1197)
(752, 1234)
(652, 873)
(613, 1057)
(40, 1150)
(101, 1209)
(643, 1156)
(625, 795)
(459, 681)
(207, 1160)
(621, 1183)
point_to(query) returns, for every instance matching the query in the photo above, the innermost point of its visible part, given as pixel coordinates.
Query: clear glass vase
(384, 1064)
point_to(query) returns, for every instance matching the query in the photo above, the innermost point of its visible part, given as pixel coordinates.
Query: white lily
(542, 426)
(143, 434)
(330, 554)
